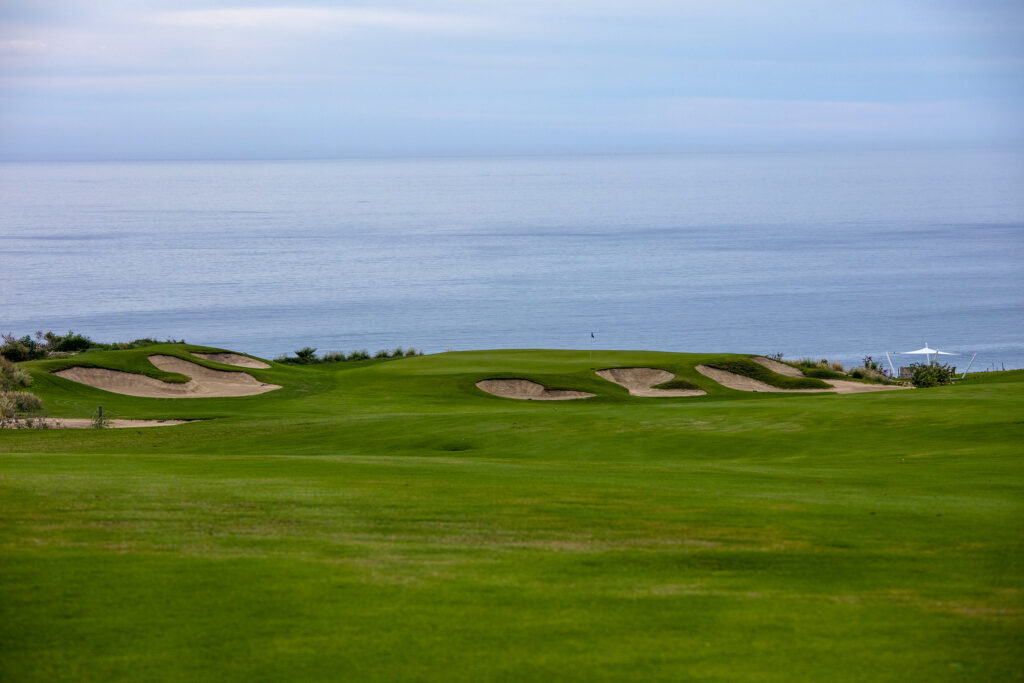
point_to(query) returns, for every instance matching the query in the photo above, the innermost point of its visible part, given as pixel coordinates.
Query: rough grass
(387, 521)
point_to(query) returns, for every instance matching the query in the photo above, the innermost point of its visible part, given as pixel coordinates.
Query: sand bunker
(233, 359)
(838, 386)
(641, 382)
(526, 390)
(205, 382)
(777, 367)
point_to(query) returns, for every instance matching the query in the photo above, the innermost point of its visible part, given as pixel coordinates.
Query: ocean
(835, 255)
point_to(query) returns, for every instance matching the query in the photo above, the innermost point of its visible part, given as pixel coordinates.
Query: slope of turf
(390, 521)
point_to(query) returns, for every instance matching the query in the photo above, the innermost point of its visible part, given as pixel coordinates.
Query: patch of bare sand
(233, 359)
(525, 390)
(776, 366)
(641, 382)
(204, 382)
(839, 386)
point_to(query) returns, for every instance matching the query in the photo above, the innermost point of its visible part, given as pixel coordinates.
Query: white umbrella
(926, 352)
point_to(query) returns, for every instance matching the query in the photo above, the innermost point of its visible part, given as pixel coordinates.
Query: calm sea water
(827, 255)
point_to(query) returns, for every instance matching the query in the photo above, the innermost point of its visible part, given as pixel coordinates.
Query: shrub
(12, 377)
(99, 420)
(70, 342)
(383, 353)
(306, 355)
(15, 351)
(925, 375)
(837, 366)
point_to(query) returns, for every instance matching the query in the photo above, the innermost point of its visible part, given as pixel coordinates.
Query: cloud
(317, 19)
(21, 45)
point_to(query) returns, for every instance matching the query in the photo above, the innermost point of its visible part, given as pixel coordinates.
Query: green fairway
(388, 520)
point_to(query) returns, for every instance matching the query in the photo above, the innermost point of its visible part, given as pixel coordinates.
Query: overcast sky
(226, 79)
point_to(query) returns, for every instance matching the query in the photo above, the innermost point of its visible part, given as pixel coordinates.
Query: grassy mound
(748, 368)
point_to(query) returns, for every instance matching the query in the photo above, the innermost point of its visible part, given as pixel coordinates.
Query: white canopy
(926, 351)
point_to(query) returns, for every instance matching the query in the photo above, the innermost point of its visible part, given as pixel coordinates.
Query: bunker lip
(641, 382)
(525, 390)
(233, 359)
(731, 380)
(204, 383)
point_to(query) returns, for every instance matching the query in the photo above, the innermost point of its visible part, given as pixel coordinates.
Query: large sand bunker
(526, 390)
(641, 382)
(838, 386)
(233, 359)
(205, 382)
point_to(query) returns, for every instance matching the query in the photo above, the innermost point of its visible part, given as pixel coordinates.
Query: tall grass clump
(18, 407)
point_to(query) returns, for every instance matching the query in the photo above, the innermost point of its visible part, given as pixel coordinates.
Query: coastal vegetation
(44, 345)
(18, 407)
(307, 356)
(391, 521)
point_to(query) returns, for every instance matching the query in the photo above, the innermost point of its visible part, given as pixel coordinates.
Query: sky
(227, 79)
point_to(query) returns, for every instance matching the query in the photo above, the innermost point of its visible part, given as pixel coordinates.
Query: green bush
(69, 343)
(15, 351)
(925, 375)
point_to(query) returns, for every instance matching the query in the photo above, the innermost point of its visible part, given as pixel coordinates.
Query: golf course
(509, 515)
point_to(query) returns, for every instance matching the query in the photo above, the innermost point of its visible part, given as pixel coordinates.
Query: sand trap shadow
(234, 359)
(525, 390)
(204, 383)
(641, 382)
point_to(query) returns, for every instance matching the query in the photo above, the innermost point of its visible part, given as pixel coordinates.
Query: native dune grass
(386, 519)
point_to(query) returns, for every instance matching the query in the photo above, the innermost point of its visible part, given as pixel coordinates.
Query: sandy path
(86, 423)
(524, 389)
(776, 366)
(846, 386)
(839, 386)
(641, 382)
(205, 382)
(233, 359)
